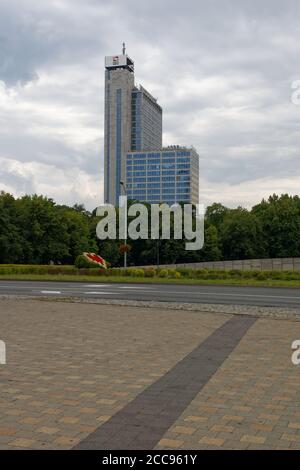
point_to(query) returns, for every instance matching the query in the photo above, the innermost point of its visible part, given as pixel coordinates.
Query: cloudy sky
(221, 69)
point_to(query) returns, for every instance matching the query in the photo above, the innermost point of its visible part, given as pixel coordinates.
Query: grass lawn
(149, 280)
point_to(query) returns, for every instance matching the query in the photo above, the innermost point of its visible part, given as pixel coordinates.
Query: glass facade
(146, 121)
(107, 140)
(164, 176)
(118, 141)
(136, 120)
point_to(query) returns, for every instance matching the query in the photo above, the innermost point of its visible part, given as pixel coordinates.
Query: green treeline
(35, 230)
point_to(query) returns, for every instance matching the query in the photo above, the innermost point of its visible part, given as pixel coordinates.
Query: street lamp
(123, 186)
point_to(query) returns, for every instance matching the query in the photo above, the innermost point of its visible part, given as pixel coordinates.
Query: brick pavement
(71, 367)
(253, 400)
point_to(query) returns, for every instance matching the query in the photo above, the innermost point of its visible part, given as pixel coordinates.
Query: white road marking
(151, 289)
(113, 293)
(97, 285)
(133, 287)
(50, 292)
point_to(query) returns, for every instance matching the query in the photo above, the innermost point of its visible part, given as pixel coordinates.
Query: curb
(275, 313)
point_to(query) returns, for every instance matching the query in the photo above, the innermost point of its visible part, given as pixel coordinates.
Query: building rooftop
(122, 61)
(165, 149)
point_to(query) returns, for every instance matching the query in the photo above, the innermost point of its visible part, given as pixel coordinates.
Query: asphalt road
(234, 295)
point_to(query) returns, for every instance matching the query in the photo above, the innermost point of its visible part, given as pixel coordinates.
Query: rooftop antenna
(124, 49)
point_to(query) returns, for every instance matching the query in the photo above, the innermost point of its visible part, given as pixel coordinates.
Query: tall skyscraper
(133, 121)
(133, 152)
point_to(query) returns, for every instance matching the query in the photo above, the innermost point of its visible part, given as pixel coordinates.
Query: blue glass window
(183, 165)
(153, 155)
(154, 178)
(168, 165)
(139, 167)
(168, 178)
(140, 192)
(139, 180)
(153, 167)
(183, 153)
(183, 190)
(168, 154)
(153, 191)
(168, 190)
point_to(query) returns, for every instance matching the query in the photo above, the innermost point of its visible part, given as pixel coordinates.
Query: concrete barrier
(269, 264)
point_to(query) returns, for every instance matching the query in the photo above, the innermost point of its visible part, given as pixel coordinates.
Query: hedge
(185, 273)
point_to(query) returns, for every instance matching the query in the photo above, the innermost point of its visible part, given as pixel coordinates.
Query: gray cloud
(221, 70)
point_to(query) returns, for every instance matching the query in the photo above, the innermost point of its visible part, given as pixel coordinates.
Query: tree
(33, 229)
(77, 234)
(11, 240)
(242, 235)
(280, 219)
(215, 214)
(211, 250)
(43, 230)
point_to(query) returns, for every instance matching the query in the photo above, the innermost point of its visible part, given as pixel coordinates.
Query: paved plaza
(92, 376)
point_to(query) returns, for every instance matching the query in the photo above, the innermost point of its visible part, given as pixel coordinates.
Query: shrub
(136, 272)
(220, 274)
(172, 273)
(133, 272)
(248, 274)
(261, 276)
(150, 272)
(140, 272)
(236, 273)
(201, 273)
(282, 275)
(37, 269)
(289, 275)
(183, 272)
(116, 271)
(163, 273)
